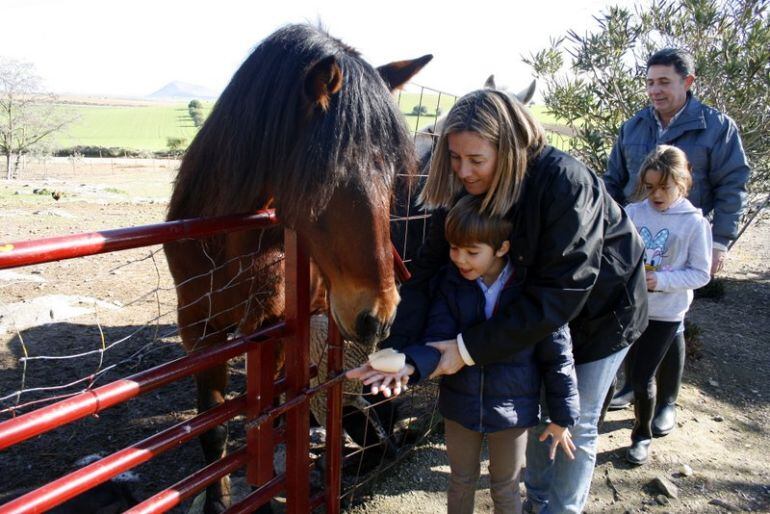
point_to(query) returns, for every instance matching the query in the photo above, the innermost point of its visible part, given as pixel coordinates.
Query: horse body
(307, 126)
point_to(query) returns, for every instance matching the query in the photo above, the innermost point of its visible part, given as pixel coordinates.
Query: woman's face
(474, 161)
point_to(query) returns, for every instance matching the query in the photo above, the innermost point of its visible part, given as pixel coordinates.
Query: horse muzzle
(370, 330)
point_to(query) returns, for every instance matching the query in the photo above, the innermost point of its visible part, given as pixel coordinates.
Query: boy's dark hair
(681, 60)
(465, 225)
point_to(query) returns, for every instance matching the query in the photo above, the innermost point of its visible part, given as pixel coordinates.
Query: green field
(135, 127)
(148, 127)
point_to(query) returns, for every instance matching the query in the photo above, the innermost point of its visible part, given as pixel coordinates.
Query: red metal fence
(257, 404)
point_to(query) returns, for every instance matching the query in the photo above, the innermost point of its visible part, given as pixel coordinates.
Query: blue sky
(132, 48)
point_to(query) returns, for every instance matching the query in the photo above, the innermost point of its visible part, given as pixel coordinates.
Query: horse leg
(211, 390)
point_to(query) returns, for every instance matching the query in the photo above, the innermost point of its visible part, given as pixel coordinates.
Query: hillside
(183, 91)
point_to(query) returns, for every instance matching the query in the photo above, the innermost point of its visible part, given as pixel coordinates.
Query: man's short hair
(681, 60)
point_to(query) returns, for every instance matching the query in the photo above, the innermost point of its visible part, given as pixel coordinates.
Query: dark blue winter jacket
(499, 395)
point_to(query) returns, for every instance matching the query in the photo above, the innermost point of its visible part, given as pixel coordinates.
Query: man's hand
(718, 258)
(560, 436)
(451, 361)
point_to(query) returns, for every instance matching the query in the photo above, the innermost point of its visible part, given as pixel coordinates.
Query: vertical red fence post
(297, 348)
(335, 364)
(260, 373)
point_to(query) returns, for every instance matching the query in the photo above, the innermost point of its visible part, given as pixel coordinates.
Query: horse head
(352, 131)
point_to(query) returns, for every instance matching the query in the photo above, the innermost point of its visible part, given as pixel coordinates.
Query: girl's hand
(386, 383)
(560, 436)
(652, 282)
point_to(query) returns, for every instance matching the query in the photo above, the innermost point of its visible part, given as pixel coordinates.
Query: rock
(718, 418)
(725, 505)
(685, 470)
(662, 499)
(713, 383)
(665, 486)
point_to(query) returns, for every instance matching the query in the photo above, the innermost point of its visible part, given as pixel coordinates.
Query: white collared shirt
(661, 129)
(491, 294)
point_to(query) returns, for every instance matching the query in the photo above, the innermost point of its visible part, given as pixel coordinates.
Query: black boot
(641, 435)
(625, 395)
(669, 380)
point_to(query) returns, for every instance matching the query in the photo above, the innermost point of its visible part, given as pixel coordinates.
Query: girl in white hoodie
(677, 241)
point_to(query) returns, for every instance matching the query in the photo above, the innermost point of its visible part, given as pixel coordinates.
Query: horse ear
(323, 81)
(525, 95)
(398, 73)
(490, 83)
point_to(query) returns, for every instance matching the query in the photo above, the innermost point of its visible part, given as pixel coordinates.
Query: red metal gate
(257, 404)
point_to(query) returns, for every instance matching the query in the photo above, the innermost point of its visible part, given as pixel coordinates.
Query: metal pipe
(24, 253)
(188, 487)
(72, 484)
(90, 402)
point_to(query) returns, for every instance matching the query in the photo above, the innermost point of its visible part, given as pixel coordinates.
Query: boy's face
(479, 260)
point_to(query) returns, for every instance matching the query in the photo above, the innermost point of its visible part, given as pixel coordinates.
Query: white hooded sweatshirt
(677, 245)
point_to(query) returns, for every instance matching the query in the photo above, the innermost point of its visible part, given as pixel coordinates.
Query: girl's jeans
(562, 485)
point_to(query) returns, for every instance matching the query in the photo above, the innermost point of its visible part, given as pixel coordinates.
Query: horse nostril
(367, 327)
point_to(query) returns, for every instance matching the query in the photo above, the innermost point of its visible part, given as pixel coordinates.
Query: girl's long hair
(672, 163)
(509, 127)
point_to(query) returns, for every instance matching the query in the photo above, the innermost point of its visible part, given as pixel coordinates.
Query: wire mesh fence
(69, 326)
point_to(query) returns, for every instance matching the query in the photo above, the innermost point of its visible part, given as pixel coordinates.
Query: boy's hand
(386, 383)
(560, 436)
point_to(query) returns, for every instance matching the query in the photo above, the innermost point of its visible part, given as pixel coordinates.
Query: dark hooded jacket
(579, 260)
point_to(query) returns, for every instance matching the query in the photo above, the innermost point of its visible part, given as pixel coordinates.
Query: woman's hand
(451, 361)
(560, 436)
(386, 383)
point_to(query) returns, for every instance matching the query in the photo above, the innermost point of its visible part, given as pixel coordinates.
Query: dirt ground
(126, 300)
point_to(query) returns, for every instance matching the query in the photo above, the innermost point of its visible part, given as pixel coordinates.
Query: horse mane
(260, 143)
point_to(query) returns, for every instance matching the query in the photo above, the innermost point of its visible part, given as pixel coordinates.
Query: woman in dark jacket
(577, 254)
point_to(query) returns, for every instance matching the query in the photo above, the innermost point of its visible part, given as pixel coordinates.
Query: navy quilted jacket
(499, 395)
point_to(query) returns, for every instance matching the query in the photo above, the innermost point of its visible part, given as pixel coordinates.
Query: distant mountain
(182, 91)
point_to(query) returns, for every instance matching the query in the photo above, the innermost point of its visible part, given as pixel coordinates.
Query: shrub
(176, 144)
(419, 110)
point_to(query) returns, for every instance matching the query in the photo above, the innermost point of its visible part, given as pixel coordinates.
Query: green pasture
(148, 127)
(135, 127)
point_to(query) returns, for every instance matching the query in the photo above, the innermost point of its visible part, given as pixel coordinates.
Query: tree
(27, 115)
(195, 108)
(601, 83)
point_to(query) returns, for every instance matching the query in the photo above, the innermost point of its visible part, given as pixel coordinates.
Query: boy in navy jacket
(499, 399)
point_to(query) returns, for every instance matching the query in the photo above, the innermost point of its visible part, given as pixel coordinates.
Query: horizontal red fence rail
(188, 487)
(90, 402)
(69, 486)
(24, 253)
(39, 251)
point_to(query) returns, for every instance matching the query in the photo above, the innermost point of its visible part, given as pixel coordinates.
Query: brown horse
(306, 126)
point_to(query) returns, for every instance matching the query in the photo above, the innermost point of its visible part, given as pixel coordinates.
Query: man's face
(667, 89)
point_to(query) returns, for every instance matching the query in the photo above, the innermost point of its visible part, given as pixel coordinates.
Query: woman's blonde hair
(509, 127)
(672, 163)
